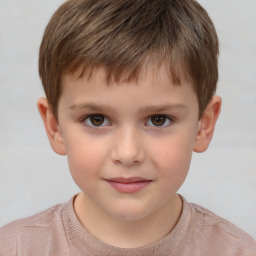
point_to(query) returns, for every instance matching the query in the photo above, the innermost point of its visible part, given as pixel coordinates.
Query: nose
(128, 148)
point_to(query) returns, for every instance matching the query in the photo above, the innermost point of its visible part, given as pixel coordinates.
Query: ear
(207, 125)
(51, 127)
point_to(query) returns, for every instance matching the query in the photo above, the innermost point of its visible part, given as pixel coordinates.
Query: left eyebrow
(161, 108)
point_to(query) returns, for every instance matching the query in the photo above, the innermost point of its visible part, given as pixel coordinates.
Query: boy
(130, 89)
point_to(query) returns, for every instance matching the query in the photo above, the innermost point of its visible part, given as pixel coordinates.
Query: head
(125, 36)
(129, 87)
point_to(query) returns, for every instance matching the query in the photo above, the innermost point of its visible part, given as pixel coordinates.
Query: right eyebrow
(93, 107)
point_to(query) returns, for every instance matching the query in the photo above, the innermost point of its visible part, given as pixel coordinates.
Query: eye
(159, 121)
(96, 120)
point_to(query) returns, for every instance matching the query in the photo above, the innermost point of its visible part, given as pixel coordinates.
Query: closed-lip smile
(128, 185)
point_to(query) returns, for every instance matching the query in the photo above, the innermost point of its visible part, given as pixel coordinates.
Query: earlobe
(207, 124)
(51, 127)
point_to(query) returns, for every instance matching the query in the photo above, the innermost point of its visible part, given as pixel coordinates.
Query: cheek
(85, 159)
(173, 156)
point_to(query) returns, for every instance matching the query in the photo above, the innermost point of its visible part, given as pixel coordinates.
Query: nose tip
(128, 158)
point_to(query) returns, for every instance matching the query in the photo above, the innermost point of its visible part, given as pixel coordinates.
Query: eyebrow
(92, 107)
(150, 108)
(161, 108)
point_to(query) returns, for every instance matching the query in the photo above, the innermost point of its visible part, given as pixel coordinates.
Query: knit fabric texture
(58, 232)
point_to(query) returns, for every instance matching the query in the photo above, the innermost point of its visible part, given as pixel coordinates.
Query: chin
(131, 213)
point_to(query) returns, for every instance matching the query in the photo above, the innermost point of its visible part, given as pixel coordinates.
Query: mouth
(128, 185)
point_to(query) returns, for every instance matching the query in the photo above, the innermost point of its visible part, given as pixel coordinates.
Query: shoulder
(38, 226)
(222, 234)
(41, 219)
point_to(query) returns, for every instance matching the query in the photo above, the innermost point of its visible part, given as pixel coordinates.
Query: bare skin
(129, 148)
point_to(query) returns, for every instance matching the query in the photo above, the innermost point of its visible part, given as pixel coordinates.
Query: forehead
(149, 70)
(153, 84)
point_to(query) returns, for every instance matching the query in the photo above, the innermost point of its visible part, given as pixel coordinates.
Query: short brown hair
(120, 35)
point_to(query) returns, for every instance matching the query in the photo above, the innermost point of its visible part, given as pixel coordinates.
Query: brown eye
(159, 121)
(97, 120)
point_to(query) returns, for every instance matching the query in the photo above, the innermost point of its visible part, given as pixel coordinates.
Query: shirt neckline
(82, 242)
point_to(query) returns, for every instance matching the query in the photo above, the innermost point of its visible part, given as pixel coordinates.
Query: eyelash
(165, 117)
(149, 119)
(91, 126)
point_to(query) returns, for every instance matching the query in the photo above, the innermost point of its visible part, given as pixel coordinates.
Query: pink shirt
(58, 232)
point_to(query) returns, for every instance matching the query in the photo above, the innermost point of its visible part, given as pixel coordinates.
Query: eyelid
(171, 120)
(107, 119)
(91, 126)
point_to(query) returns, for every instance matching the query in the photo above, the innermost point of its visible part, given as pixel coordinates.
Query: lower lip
(129, 188)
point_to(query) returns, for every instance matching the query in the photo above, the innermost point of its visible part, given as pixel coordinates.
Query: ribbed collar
(82, 242)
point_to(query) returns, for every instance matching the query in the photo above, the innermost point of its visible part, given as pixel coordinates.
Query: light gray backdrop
(33, 178)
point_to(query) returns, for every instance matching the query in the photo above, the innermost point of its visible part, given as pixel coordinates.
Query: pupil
(97, 120)
(158, 120)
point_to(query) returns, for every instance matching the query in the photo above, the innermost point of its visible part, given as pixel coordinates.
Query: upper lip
(127, 180)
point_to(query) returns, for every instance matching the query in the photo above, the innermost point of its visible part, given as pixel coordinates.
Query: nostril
(127, 158)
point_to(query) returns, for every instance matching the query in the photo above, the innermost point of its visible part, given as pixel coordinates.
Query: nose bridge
(128, 148)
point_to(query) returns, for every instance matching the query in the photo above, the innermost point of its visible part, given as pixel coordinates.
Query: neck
(127, 233)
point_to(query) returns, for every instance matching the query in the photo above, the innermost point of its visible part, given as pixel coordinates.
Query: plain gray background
(33, 178)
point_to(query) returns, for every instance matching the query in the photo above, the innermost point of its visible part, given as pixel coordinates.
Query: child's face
(128, 145)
